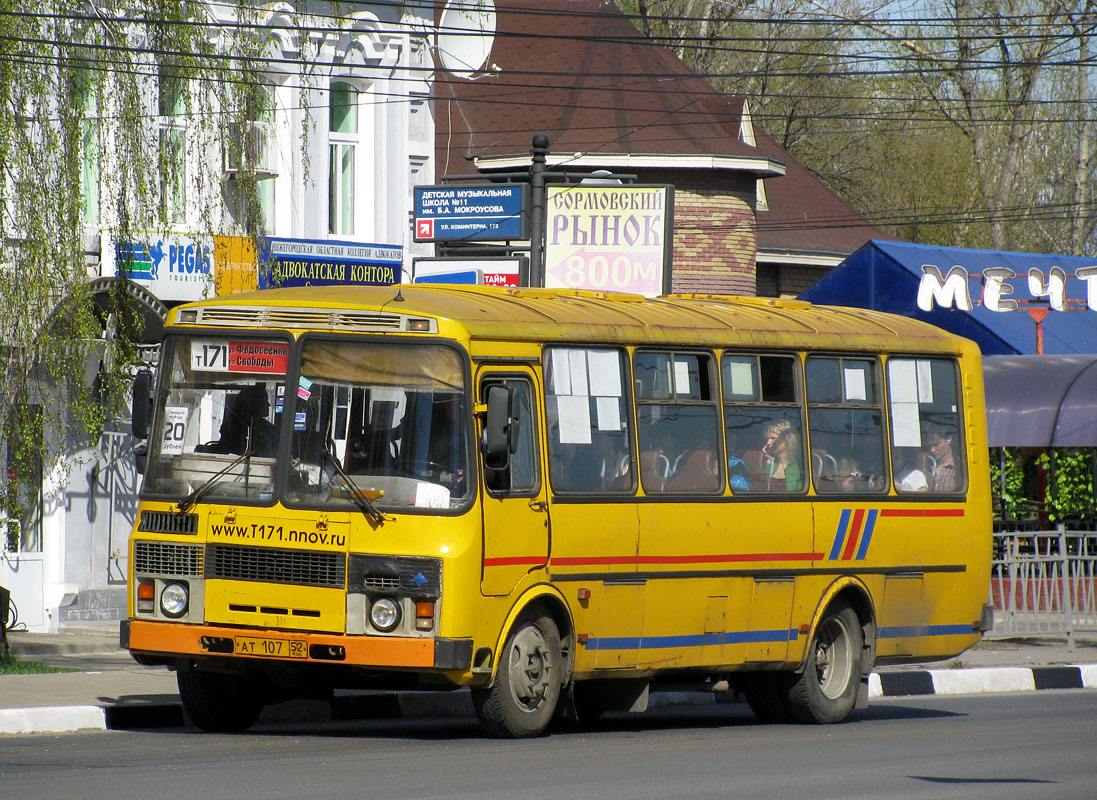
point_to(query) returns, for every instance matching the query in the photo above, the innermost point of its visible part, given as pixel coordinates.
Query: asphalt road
(1036, 744)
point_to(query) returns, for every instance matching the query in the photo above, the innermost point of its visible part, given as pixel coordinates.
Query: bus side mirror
(141, 408)
(497, 428)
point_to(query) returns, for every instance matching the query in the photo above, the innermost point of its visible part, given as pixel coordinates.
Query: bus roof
(526, 314)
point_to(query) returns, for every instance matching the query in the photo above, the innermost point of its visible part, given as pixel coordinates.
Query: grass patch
(14, 665)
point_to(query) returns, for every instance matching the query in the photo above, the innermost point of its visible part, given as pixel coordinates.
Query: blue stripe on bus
(870, 523)
(757, 637)
(689, 640)
(905, 631)
(840, 535)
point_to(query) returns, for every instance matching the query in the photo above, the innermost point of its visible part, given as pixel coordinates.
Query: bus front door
(515, 511)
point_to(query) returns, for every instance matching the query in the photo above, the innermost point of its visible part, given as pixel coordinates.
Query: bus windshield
(386, 420)
(222, 402)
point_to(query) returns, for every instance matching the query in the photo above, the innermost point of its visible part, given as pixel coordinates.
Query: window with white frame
(173, 129)
(342, 146)
(89, 148)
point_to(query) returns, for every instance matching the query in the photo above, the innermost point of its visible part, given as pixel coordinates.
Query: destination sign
(479, 212)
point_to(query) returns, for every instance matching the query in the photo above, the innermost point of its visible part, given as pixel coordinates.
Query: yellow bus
(562, 500)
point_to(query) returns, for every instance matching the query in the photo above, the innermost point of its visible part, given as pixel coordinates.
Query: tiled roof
(580, 72)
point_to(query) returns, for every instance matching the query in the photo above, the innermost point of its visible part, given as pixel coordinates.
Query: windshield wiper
(367, 506)
(198, 493)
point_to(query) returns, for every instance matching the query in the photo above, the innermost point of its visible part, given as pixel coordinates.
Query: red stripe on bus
(921, 512)
(709, 559)
(854, 534)
(514, 561)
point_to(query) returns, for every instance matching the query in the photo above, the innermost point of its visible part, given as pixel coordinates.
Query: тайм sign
(327, 262)
(489, 211)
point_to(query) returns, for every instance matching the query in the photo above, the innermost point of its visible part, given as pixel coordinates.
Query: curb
(458, 703)
(981, 680)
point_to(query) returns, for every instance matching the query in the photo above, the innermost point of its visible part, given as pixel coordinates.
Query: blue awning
(884, 276)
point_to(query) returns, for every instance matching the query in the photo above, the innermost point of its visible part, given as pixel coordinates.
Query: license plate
(273, 648)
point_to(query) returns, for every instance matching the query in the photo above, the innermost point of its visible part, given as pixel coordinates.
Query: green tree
(88, 141)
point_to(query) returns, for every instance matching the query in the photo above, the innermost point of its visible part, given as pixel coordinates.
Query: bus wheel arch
(532, 668)
(838, 657)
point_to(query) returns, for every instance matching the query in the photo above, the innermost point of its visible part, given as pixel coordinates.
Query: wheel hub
(531, 668)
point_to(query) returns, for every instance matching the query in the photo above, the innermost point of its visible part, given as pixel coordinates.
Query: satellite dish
(466, 33)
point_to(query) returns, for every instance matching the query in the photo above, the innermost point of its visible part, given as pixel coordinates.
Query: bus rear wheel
(218, 702)
(527, 686)
(826, 691)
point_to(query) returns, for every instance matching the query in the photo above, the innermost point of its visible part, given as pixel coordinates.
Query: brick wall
(714, 230)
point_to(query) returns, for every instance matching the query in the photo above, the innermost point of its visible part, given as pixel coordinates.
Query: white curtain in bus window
(905, 420)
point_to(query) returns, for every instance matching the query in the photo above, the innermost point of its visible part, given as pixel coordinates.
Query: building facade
(342, 131)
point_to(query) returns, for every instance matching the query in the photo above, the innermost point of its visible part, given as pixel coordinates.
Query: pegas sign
(953, 289)
(173, 266)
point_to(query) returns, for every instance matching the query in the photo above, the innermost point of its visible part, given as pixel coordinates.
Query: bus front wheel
(218, 702)
(527, 686)
(826, 691)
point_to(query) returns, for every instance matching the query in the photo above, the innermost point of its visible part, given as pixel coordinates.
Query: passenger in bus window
(246, 414)
(850, 477)
(611, 462)
(738, 478)
(786, 474)
(908, 478)
(946, 477)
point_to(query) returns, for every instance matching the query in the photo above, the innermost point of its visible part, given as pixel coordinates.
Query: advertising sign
(952, 289)
(173, 266)
(490, 271)
(479, 212)
(327, 262)
(609, 238)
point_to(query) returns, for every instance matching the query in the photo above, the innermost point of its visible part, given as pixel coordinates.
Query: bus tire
(766, 697)
(826, 691)
(527, 687)
(218, 702)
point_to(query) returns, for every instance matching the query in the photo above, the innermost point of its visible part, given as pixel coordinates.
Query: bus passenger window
(677, 422)
(846, 425)
(927, 452)
(762, 423)
(590, 449)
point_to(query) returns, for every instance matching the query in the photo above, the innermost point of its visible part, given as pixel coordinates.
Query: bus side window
(927, 451)
(677, 422)
(519, 476)
(590, 449)
(763, 423)
(846, 425)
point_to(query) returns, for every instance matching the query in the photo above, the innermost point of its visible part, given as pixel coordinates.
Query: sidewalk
(110, 690)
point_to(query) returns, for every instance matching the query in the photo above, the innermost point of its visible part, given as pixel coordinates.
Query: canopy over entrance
(886, 276)
(1041, 401)
(152, 312)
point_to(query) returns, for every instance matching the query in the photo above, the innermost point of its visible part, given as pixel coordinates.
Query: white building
(348, 133)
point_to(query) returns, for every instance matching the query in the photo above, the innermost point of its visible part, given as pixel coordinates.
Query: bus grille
(168, 522)
(165, 558)
(276, 565)
(330, 319)
(413, 576)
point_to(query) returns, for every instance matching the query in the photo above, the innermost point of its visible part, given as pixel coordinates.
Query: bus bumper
(166, 639)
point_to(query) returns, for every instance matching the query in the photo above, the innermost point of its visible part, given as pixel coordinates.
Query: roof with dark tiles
(580, 72)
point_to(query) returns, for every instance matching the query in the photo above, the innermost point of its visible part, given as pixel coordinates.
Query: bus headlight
(384, 614)
(174, 600)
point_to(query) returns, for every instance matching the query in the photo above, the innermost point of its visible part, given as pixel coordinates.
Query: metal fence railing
(1044, 582)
